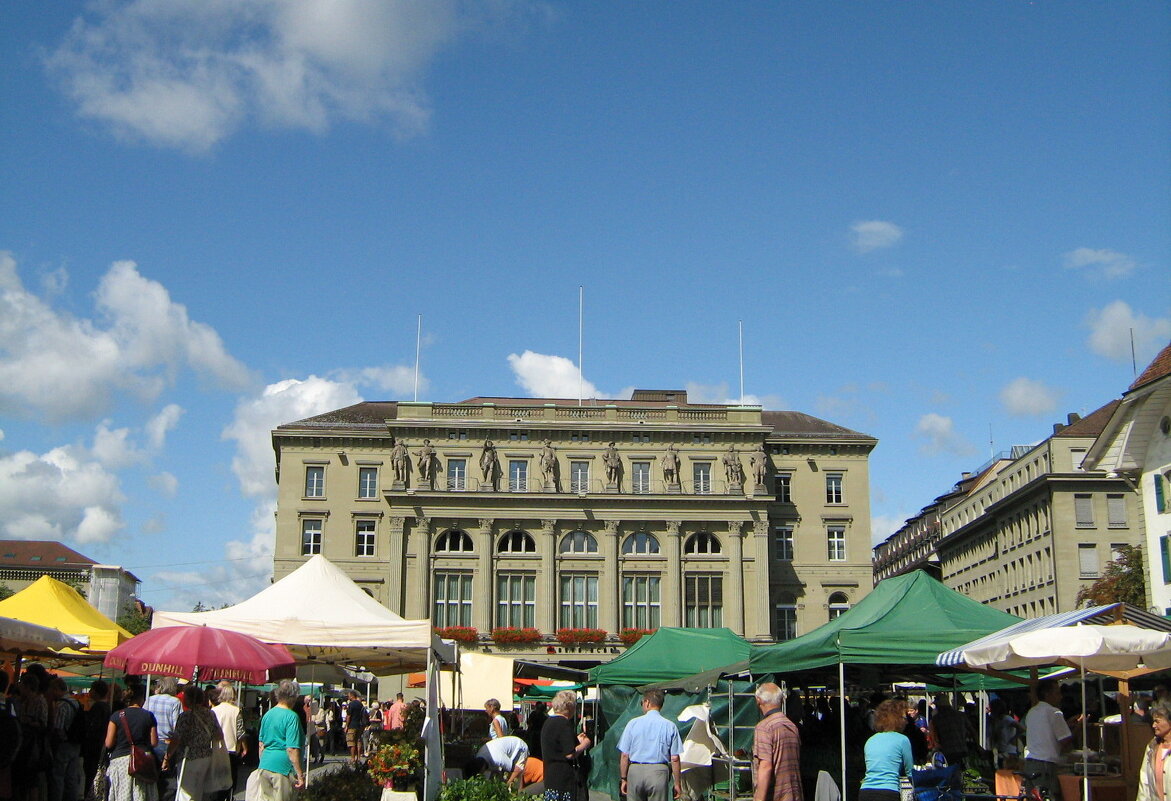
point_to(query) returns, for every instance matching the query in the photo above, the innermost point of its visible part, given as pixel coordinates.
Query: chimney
(1058, 428)
(1072, 418)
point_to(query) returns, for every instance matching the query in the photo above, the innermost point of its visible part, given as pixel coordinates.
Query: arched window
(702, 543)
(640, 544)
(579, 542)
(453, 541)
(838, 603)
(516, 542)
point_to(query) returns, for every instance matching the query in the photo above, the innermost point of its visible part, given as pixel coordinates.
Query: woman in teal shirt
(888, 754)
(280, 749)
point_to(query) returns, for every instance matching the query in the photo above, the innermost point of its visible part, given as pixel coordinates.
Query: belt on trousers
(648, 763)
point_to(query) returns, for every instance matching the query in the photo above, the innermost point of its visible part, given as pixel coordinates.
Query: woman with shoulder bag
(195, 731)
(131, 726)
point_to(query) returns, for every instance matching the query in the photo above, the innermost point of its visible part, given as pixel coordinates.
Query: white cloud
(165, 484)
(1109, 263)
(158, 426)
(188, 73)
(720, 393)
(395, 379)
(544, 376)
(882, 526)
(1024, 397)
(64, 494)
(58, 367)
(939, 436)
(113, 448)
(869, 235)
(1111, 327)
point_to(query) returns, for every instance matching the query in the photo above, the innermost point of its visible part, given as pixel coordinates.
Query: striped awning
(1097, 615)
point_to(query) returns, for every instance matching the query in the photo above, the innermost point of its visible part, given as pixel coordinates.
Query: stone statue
(613, 464)
(549, 463)
(426, 462)
(670, 465)
(733, 471)
(759, 462)
(489, 464)
(399, 461)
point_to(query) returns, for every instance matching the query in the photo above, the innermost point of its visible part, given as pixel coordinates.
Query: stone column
(397, 568)
(482, 589)
(610, 582)
(761, 624)
(735, 597)
(672, 587)
(548, 592)
(419, 596)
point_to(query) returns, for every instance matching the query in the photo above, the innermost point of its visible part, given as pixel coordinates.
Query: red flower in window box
(580, 636)
(631, 636)
(515, 636)
(466, 634)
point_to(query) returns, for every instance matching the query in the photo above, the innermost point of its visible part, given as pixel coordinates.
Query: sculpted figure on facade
(613, 463)
(426, 462)
(759, 462)
(670, 465)
(548, 463)
(489, 464)
(399, 461)
(733, 470)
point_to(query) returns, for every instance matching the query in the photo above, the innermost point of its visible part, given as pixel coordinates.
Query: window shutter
(1116, 509)
(1087, 557)
(1083, 510)
(1165, 548)
(1160, 503)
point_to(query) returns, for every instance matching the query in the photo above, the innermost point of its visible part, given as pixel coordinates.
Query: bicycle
(1029, 791)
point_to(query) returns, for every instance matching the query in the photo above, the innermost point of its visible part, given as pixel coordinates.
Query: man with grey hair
(166, 708)
(650, 747)
(776, 749)
(280, 749)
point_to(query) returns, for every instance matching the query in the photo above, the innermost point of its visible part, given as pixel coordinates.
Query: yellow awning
(49, 602)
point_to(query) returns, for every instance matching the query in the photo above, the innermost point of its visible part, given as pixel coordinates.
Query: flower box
(510, 636)
(580, 636)
(631, 636)
(465, 634)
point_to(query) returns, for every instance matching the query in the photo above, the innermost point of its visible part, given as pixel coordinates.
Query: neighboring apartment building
(1136, 445)
(108, 588)
(1036, 527)
(550, 513)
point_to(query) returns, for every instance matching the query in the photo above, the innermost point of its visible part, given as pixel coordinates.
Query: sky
(939, 224)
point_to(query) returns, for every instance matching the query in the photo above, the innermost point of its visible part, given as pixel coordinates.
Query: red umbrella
(202, 652)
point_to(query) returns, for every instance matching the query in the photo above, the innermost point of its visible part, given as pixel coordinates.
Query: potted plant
(515, 636)
(631, 636)
(341, 783)
(393, 765)
(464, 634)
(581, 636)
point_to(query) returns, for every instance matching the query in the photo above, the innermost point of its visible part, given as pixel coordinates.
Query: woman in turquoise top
(280, 749)
(888, 754)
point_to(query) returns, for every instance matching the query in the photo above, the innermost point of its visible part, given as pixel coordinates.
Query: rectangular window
(457, 434)
(579, 476)
(640, 602)
(518, 475)
(1075, 459)
(315, 481)
(1165, 552)
(1083, 510)
(640, 477)
(580, 436)
(516, 605)
(703, 601)
(1116, 511)
(701, 473)
(784, 487)
(457, 474)
(835, 537)
(518, 436)
(310, 537)
(701, 439)
(367, 482)
(783, 537)
(1160, 497)
(786, 621)
(453, 599)
(1087, 559)
(364, 537)
(579, 602)
(833, 488)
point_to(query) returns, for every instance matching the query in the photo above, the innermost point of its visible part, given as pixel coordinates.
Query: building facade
(1036, 527)
(108, 588)
(1136, 446)
(551, 514)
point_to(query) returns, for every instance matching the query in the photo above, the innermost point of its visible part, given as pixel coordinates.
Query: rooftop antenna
(741, 325)
(580, 318)
(1133, 363)
(991, 445)
(418, 340)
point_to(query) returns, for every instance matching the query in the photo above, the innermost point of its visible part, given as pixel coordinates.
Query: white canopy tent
(21, 637)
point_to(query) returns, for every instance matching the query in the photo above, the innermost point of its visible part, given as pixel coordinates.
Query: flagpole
(418, 340)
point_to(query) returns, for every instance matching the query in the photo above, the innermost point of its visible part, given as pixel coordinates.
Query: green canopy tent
(905, 622)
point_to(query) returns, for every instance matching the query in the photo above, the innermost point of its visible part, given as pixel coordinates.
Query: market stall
(54, 604)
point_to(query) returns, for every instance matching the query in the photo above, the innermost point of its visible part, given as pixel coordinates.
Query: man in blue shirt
(650, 747)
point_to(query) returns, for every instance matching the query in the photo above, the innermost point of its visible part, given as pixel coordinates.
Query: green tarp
(672, 653)
(906, 620)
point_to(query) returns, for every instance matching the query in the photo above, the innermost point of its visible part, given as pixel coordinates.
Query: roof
(368, 413)
(672, 653)
(41, 555)
(1160, 366)
(1092, 424)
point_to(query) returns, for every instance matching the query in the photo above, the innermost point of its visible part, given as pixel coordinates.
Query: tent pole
(842, 718)
(426, 757)
(1085, 737)
(309, 737)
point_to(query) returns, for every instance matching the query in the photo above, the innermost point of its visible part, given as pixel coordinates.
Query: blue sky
(939, 223)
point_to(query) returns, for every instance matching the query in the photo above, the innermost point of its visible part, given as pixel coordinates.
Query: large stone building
(108, 588)
(545, 513)
(1034, 528)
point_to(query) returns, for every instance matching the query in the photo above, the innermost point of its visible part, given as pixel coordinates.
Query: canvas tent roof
(322, 615)
(49, 602)
(907, 620)
(671, 653)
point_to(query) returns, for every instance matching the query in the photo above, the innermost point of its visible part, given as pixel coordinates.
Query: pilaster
(671, 600)
(482, 582)
(420, 595)
(612, 592)
(397, 549)
(736, 575)
(550, 584)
